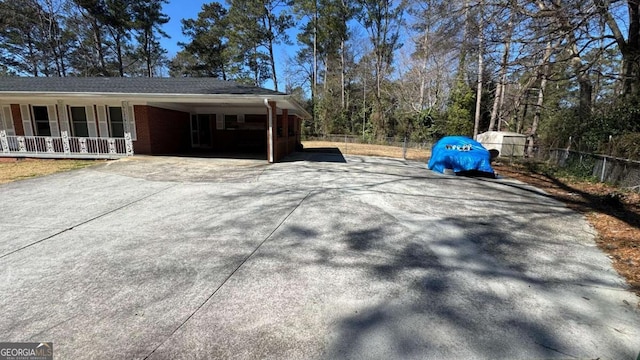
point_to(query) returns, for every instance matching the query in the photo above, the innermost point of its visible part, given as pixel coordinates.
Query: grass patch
(371, 150)
(28, 168)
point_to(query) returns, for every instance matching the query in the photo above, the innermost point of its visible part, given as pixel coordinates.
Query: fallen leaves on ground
(613, 212)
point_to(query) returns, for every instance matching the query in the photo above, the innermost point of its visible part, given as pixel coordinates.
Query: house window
(79, 121)
(116, 120)
(230, 122)
(41, 119)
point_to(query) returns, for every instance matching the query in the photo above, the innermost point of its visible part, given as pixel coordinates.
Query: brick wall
(143, 143)
(161, 131)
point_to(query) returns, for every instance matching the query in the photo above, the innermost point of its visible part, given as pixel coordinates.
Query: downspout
(270, 130)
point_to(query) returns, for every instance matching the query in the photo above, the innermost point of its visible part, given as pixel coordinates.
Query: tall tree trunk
(314, 90)
(148, 47)
(32, 55)
(342, 85)
(118, 40)
(631, 52)
(476, 123)
(544, 75)
(498, 100)
(97, 38)
(581, 72)
(630, 48)
(272, 62)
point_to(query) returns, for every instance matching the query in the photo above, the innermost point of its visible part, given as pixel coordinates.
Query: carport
(160, 115)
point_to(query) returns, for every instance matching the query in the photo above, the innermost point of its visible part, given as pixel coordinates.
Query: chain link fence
(617, 171)
(357, 139)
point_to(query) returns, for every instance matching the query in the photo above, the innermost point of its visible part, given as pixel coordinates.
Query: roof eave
(158, 96)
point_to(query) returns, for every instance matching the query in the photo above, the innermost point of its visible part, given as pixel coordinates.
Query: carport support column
(285, 129)
(271, 130)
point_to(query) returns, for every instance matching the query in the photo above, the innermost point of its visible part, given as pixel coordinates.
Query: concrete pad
(44, 206)
(369, 259)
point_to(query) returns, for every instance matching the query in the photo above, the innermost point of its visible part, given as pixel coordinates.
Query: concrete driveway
(171, 258)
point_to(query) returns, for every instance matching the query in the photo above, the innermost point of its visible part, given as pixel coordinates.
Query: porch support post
(125, 117)
(65, 143)
(285, 129)
(63, 117)
(3, 141)
(271, 134)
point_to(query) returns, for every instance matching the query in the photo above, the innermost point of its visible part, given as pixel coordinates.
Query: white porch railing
(65, 146)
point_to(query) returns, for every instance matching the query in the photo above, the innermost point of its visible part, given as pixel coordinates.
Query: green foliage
(616, 119)
(254, 27)
(206, 54)
(459, 114)
(148, 19)
(575, 168)
(626, 146)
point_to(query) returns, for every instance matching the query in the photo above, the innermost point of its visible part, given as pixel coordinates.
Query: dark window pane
(78, 113)
(40, 113)
(117, 130)
(80, 129)
(231, 122)
(42, 128)
(115, 114)
(79, 121)
(117, 124)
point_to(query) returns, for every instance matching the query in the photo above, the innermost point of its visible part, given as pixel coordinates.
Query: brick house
(162, 115)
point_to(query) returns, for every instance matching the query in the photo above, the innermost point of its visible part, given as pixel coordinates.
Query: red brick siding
(142, 145)
(169, 130)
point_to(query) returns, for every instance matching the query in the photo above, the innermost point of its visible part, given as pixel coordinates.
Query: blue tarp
(460, 154)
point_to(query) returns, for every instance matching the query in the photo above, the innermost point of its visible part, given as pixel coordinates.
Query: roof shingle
(138, 85)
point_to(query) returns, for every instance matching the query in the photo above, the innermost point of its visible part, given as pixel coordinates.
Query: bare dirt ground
(613, 212)
(17, 169)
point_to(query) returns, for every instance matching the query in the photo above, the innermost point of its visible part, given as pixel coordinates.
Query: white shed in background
(507, 143)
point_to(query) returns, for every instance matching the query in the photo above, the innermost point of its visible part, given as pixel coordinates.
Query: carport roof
(138, 85)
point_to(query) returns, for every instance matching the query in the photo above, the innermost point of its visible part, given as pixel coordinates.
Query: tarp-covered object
(459, 154)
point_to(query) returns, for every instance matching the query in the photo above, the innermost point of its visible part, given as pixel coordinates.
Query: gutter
(270, 130)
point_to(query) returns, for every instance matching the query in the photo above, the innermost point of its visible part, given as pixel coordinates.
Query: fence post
(22, 144)
(3, 141)
(65, 143)
(111, 143)
(404, 148)
(128, 144)
(49, 143)
(83, 145)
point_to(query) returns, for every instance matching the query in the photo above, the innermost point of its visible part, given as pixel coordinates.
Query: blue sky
(178, 10)
(189, 9)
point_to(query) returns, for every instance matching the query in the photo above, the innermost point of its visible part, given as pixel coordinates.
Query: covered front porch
(107, 117)
(107, 127)
(65, 146)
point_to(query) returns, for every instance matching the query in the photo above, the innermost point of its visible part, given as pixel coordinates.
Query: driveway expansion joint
(85, 222)
(230, 275)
